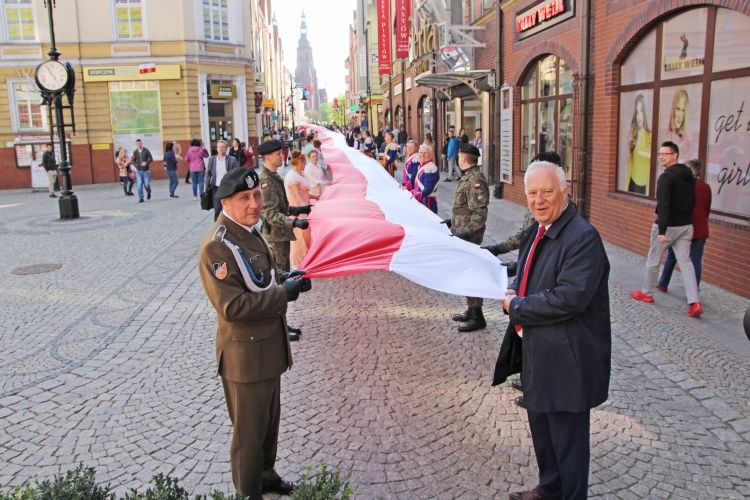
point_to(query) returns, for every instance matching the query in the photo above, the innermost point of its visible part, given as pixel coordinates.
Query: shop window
(216, 20)
(672, 90)
(19, 20)
(129, 19)
(29, 113)
(547, 111)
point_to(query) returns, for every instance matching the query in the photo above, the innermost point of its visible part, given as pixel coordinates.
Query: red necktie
(527, 266)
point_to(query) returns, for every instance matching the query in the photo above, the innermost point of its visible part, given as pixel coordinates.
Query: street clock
(52, 76)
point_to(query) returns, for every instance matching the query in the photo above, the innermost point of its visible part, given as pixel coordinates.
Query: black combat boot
(476, 321)
(462, 317)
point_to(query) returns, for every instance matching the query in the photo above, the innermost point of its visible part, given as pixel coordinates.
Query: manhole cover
(37, 268)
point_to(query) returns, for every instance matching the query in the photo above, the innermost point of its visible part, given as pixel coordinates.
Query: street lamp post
(55, 79)
(292, 87)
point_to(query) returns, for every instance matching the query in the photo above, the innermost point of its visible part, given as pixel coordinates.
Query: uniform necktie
(527, 267)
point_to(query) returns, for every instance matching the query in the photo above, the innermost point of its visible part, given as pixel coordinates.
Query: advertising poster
(728, 162)
(136, 115)
(679, 118)
(635, 136)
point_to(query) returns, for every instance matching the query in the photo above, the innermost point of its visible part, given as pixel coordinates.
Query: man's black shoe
(298, 331)
(519, 402)
(148, 195)
(140, 201)
(293, 337)
(280, 487)
(516, 384)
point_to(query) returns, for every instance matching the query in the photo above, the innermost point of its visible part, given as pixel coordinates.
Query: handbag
(131, 174)
(207, 199)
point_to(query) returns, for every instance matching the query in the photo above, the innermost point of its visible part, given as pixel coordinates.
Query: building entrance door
(220, 123)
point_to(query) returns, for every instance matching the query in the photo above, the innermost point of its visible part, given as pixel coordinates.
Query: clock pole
(68, 201)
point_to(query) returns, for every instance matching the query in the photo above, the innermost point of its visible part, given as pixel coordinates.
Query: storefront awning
(460, 83)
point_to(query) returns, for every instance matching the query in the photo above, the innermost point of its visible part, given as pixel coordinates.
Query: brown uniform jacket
(277, 225)
(470, 205)
(251, 336)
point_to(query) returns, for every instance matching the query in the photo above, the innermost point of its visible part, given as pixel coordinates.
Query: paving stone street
(109, 361)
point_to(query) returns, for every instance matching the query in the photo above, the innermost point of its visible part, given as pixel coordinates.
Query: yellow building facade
(158, 70)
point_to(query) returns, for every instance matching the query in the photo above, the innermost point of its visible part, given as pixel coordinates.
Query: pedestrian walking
(218, 166)
(237, 152)
(50, 166)
(142, 160)
(451, 153)
(469, 223)
(196, 166)
(124, 168)
(237, 271)
(170, 165)
(675, 200)
(701, 211)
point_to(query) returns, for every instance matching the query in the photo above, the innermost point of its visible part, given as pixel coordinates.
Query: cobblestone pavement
(109, 361)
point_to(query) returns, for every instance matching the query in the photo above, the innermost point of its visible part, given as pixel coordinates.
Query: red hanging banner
(403, 18)
(384, 37)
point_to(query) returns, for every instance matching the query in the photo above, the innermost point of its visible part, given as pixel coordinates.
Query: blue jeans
(196, 180)
(143, 177)
(173, 181)
(696, 256)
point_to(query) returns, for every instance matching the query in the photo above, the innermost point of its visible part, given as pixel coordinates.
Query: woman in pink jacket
(195, 154)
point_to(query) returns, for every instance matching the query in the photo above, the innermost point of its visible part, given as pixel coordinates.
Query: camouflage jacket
(470, 206)
(277, 225)
(514, 242)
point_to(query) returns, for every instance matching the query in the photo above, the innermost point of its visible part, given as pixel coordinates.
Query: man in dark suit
(238, 273)
(219, 165)
(559, 304)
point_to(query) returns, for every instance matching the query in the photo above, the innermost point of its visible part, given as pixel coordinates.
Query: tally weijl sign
(542, 16)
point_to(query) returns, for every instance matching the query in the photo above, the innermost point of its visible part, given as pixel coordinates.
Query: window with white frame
(216, 20)
(19, 20)
(27, 103)
(129, 19)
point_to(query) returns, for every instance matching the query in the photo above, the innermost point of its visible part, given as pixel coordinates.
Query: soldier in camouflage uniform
(468, 223)
(278, 224)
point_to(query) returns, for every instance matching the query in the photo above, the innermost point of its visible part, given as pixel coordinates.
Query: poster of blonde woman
(679, 118)
(634, 170)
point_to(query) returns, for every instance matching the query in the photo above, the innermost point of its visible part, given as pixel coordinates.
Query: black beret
(269, 147)
(237, 180)
(469, 149)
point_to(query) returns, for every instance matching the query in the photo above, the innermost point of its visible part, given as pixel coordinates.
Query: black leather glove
(294, 286)
(294, 274)
(463, 234)
(300, 223)
(497, 249)
(447, 223)
(304, 209)
(511, 268)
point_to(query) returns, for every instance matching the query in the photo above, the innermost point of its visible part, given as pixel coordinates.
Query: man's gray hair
(538, 165)
(222, 141)
(411, 141)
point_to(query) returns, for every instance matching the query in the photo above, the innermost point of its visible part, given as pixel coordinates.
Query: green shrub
(77, 484)
(322, 485)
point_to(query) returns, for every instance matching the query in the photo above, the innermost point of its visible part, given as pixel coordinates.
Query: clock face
(52, 75)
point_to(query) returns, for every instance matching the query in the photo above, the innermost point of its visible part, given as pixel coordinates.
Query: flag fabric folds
(365, 222)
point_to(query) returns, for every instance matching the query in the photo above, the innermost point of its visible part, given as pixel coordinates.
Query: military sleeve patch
(264, 185)
(220, 270)
(477, 185)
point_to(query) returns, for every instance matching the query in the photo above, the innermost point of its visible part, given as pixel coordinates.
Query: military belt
(461, 211)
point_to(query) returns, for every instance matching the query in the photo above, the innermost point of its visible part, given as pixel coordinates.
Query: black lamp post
(55, 79)
(292, 87)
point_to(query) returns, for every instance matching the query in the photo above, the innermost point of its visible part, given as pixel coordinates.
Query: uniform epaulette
(219, 233)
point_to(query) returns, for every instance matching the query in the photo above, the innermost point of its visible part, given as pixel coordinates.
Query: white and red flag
(147, 68)
(366, 222)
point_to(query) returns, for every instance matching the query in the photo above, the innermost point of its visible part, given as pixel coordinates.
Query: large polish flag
(365, 222)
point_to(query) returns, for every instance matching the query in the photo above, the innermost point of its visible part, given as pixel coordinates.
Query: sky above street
(327, 29)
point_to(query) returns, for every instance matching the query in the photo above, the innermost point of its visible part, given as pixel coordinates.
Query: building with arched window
(606, 98)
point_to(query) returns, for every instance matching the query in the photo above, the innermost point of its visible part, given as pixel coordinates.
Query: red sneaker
(662, 288)
(695, 310)
(639, 295)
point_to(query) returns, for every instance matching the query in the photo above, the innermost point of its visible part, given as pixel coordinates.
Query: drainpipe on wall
(494, 146)
(584, 115)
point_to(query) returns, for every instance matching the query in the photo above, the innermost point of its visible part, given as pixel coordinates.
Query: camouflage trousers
(474, 301)
(281, 255)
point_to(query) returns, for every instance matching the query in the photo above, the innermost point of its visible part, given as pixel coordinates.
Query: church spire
(303, 24)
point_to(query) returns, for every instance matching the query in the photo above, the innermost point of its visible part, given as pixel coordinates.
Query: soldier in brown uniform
(468, 223)
(238, 273)
(277, 223)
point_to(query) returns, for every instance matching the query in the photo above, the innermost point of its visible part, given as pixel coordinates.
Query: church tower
(305, 72)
